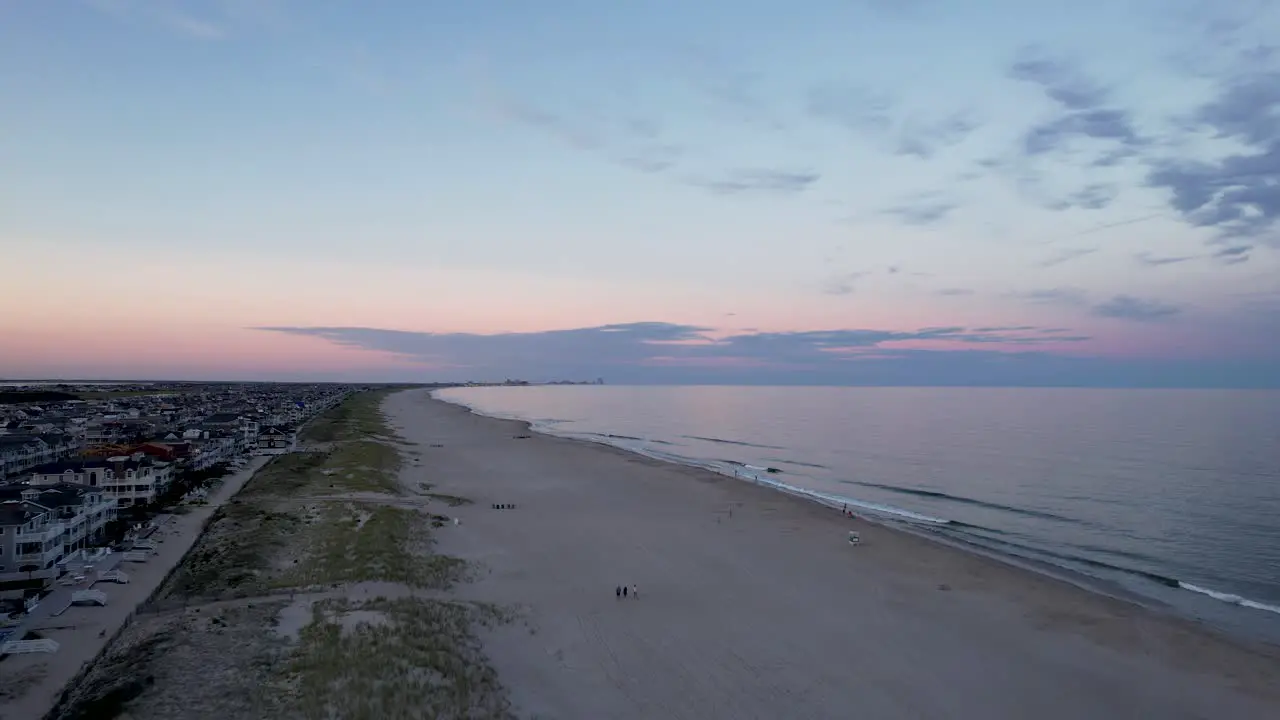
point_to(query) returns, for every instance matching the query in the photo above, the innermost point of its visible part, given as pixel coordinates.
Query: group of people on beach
(621, 591)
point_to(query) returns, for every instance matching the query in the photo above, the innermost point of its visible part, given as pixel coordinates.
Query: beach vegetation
(402, 658)
(359, 416)
(363, 466)
(349, 542)
(234, 553)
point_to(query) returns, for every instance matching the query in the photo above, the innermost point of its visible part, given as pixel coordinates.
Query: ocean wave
(966, 501)
(798, 463)
(621, 437)
(831, 500)
(732, 442)
(1067, 560)
(1230, 598)
(978, 535)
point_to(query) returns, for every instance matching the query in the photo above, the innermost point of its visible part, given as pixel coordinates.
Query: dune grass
(363, 466)
(349, 542)
(234, 554)
(360, 416)
(404, 658)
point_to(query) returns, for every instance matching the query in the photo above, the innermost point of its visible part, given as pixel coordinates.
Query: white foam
(838, 500)
(1229, 598)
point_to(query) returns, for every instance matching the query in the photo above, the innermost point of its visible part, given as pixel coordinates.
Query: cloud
(926, 139)
(759, 180)
(1146, 258)
(727, 87)
(634, 343)
(1090, 197)
(857, 109)
(1238, 193)
(1054, 296)
(922, 209)
(554, 124)
(1067, 256)
(1234, 254)
(648, 353)
(870, 112)
(954, 292)
(1083, 110)
(1127, 307)
(842, 284)
(654, 159)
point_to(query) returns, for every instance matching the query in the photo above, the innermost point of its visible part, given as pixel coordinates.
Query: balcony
(48, 532)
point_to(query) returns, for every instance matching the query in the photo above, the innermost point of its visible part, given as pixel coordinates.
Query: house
(83, 511)
(19, 453)
(128, 479)
(275, 441)
(30, 541)
(165, 450)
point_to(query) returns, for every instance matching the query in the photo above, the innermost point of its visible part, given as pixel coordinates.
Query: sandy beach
(34, 681)
(371, 575)
(753, 605)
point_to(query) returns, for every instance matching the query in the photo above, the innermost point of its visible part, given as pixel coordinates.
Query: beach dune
(770, 613)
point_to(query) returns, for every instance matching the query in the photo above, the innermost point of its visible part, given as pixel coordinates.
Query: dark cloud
(1061, 82)
(684, 354)
(922, 209)
(1084, 110)
(1090, 197)
(1237, 194)
(1127, 307)
(1234, 254)
(1066, 256)
(1145, 258)
(587, 350)
(759, 180)
(1099, 124)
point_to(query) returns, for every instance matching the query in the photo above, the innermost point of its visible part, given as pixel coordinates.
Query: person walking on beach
(624, 591)
(635, 593)
(617, 589)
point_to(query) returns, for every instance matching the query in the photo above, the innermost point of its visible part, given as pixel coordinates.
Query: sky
(919, 192)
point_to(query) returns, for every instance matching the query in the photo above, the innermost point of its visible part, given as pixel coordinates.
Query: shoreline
(928, 529)
(753, 604)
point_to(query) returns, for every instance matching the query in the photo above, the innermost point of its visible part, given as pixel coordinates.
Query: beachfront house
(127, 479)
(30, 546)
(276, 441)
(19, 453)
(83, 511)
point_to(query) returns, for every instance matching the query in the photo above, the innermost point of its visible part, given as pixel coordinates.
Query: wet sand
(770, 613)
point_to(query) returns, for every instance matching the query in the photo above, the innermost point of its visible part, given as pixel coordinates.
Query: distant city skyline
(841, 191)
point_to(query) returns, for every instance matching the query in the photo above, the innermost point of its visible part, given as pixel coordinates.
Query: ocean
(1172, 496)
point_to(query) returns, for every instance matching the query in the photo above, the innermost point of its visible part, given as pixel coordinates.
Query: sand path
(770, 613)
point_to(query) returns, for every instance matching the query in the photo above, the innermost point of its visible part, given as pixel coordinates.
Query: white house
(128, 479)
(41, 527)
